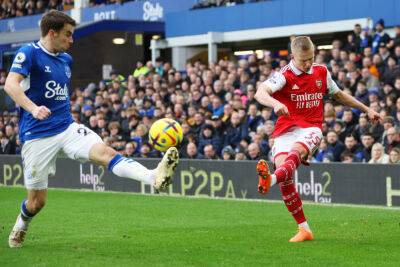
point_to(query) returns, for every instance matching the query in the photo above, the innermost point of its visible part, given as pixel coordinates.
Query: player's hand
(281, 109)
(41, 112)
(374, 116)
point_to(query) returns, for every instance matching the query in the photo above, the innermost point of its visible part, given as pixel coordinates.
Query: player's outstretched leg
(121, 166)
(18, 233)
(166, 168)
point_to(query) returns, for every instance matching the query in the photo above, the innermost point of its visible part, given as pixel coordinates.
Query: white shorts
(39, 155)
(309, 138)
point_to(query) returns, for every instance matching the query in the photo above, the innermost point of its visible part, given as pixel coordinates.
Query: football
(165, 133)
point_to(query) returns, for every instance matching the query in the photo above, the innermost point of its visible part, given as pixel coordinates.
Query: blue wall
(275, 13)
(150, 10)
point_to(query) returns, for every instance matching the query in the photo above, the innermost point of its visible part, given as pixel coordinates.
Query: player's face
(63, 39)
(303, 60)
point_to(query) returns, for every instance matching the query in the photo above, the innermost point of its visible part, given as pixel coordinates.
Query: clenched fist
(41, 112)
(374, 116)
(281, 109)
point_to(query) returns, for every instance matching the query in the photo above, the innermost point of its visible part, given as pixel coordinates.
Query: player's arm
(349, 100)
(266, 89)
(15, 91)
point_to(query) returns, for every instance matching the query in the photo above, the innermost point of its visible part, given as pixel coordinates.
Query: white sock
(305, 226)
(21, 224)
(129, 168)
(273, 179)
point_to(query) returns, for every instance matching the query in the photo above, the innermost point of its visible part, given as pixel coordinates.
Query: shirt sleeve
(330, 83)
(276, 82)
(22, 62)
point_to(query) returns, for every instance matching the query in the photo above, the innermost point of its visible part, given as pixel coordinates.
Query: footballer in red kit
(296, 94)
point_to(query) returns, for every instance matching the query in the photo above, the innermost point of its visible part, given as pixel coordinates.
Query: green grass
(111, 229)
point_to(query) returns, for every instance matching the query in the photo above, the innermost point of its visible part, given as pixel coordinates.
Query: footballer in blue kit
(39, 81)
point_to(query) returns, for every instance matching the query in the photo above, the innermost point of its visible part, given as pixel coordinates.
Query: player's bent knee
(299, 148)
(102, 154)
(110, 152)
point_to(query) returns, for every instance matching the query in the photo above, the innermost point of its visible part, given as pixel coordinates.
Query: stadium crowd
(19, 8)
(220, 3)
(220, 118)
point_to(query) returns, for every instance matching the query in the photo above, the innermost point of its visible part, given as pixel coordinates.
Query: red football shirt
(302, 93)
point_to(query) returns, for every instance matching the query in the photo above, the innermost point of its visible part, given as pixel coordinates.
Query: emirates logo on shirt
(306, 100)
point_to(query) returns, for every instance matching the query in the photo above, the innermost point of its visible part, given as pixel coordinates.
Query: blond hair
(302, 43)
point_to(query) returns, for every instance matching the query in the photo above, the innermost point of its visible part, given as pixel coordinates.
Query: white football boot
(17, 236)
(165, 169)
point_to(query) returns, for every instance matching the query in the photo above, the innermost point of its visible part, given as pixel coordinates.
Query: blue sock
(25, 214)
(114, 161)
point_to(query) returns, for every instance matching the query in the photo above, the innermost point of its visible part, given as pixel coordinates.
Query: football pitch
(79, 228)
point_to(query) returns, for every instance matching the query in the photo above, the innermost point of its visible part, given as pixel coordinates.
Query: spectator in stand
(254, 120)
(228, 153)
(379, 64)
(240, 154)
(378, 154)
(11, 136)
(146, 151)
(322, 151)
(369, 80)
(235, 132)
(209, 152)
(392, 71)
(198, 123)
(394, 156)
(349, 120)
(208, 136)
(254, 153)
(5, 145)
(352, 45)
(347, 157)
(129, 150)
(334, 145)
(380, 36)
(367, 140)
(388, 122)
(384, 52)
(192, 152)
(140, 70)
(352, 147)
(391, 139)
(217, 106)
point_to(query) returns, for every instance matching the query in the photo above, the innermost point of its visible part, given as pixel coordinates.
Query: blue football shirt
(47, 80)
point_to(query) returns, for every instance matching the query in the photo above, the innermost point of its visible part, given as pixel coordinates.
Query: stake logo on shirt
(56, 90)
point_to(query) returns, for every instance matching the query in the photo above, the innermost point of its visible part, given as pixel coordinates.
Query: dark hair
(368, 134)
(54, 20)
(351, 135)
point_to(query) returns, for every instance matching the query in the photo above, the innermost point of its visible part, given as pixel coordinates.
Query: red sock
(286, 170)
(292, 200)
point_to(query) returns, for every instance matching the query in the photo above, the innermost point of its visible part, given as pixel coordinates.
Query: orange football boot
(264, 177)
(302, 235)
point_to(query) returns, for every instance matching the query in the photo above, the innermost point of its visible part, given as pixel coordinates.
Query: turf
(111, 229)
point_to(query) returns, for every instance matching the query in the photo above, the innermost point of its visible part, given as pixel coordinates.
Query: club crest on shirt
(319, 83)
(68, 71)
